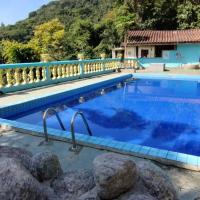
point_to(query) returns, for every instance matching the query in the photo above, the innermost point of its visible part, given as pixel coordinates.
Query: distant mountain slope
(67, 11)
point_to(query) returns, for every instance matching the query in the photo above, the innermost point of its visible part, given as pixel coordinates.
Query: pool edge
(165, 157)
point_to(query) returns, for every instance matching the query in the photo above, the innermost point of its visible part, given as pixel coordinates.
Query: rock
(114, 175)
(20, 154)
(46, 166)
(72, 185)
(156, 181)
(16, 182)
(90, 195)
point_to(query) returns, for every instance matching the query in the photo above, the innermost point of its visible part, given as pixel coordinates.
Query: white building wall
(151, 50)
(130, 52)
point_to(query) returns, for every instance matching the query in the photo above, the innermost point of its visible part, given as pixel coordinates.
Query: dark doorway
(144, 53)
(160, 48)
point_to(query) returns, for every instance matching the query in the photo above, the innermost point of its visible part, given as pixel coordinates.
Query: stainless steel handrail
(45, 122)
(74, 145)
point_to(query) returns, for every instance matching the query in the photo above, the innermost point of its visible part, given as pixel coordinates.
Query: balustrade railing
(15, 77)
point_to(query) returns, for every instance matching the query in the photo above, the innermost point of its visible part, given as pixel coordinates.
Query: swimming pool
(157, 113)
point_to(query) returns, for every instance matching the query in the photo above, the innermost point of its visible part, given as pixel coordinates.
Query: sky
(12, 11)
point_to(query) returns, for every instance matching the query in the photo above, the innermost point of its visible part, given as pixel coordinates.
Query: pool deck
(186, 182)
(37, 92)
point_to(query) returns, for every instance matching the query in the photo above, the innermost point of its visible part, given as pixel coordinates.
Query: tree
(188, 15)
(15, 52)
(81, 35)
(48, 38)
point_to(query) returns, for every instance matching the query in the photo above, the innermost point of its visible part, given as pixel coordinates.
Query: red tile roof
(163, 37)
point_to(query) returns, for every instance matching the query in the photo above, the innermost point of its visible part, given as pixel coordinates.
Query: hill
(99, 25)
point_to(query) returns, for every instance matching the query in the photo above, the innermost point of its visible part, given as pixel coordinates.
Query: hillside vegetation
(65, 28)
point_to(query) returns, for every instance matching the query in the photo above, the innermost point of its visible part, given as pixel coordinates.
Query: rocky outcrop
(73, 184)
(20, 154)
(17, 183)
(46, 166)
(114, 175)
(156, 181)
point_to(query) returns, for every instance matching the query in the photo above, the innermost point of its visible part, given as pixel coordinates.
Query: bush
(14, 52)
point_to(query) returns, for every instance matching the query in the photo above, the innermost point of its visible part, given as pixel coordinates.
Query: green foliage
(189, 15)
(65, 28)
(48, 38)
(14, 52)
(1, 53)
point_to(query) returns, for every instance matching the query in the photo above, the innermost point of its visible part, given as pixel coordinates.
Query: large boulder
(156, 181)
(73, 184)
(114, 175)
(20, 154)
(17, 183)
(46, 166)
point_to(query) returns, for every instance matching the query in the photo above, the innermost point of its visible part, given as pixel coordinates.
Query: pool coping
(167, 76)
(181, 160)
(166, 157)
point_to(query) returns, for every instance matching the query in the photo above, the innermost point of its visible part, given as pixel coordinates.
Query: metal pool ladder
(74, 145)
(45, 122)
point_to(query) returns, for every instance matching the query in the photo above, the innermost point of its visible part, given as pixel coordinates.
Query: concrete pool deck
(186, 182)
(25, 95)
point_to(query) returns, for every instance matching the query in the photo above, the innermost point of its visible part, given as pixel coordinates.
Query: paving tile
(181, 157)
(172, 155)
(153, 152)
(162, 153)
(192, 160)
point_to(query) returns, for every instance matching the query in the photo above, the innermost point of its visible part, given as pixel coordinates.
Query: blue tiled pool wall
(188, 54)
(43, 100)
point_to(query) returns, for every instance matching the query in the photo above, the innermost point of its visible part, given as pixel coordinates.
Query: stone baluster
(37, 74)
(74, 70)
(17, 77)
(9, 77)
(68, 71)
(63, 71)
(86, 69)
(79, 68)
(24, 76)
(54, 72)
(59, 72)
(31, 74)
(1, 78)
(71, 70)
(44, 76)
(91, 68)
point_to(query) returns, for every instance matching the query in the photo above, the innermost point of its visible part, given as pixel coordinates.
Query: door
(144, 53)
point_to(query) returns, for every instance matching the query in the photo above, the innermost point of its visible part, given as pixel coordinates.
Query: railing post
(81, 67)
(48, 72)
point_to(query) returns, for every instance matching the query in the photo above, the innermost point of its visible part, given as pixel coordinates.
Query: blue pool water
(164, 114)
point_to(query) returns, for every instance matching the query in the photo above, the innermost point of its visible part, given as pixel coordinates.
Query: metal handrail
(45, 122)
(74, 145)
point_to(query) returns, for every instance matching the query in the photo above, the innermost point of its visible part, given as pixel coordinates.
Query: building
(175, 46)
